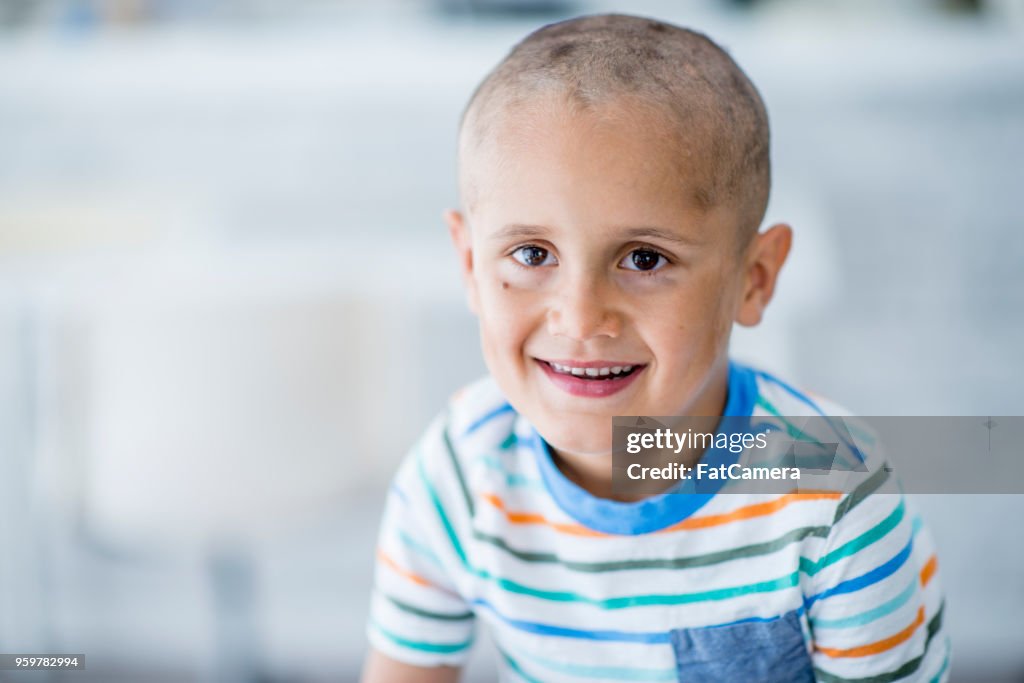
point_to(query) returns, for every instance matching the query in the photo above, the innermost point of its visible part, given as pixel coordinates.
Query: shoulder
(479, 412)
(840, 449)
(478, 420)
(783, 397)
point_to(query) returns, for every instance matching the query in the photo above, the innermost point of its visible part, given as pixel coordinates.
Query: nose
(582, 308)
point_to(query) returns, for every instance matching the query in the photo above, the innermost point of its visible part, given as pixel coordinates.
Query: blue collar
(659, 511)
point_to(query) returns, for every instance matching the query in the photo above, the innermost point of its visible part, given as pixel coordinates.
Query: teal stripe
(418, 547)
(945, 665)
(872, 614)
(626, 601)
(791, 429)
(422, 646)
(849, 423)
(796, 434)
(872, 535)
(614, 673)
(456, 546)
(511, 479)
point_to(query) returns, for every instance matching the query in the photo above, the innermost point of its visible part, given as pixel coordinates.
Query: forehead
(551, 161)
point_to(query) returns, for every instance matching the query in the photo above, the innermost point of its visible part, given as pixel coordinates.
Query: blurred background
(228, 306)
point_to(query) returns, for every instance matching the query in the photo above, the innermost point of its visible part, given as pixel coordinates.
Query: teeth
(591, 372)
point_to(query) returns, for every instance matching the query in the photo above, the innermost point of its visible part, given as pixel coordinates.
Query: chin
(572, 440)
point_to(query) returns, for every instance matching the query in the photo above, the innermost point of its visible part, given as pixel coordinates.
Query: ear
(765, 256)
(459, 231)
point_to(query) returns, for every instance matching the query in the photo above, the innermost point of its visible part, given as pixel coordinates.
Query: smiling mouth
(597, 373)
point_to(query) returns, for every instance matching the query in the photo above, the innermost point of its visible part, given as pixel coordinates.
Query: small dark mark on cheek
(504, 285)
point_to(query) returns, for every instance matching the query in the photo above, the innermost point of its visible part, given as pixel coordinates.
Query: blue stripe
(561, 631)
(872, 577)
(756, 620)
(648, 637)
(872, 614)
(481, 421)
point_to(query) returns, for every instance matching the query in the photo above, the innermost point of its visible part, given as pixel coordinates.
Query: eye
(533, 256)
(644, 260)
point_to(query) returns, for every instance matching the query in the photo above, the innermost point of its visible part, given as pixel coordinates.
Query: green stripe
(870, 536)
(708, 559)
(934, 625)
(419, 611)
(439, 648)
(873, 483)
(458, 471)
(510, 441)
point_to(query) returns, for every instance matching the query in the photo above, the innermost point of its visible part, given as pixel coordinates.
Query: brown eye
(643, 259)
(533, 256)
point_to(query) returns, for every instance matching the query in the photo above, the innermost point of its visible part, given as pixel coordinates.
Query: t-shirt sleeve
(417, 614)
(873, 599)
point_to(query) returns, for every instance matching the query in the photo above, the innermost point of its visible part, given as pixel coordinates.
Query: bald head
(712, 117)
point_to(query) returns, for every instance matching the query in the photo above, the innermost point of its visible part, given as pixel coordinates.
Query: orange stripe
(929, 570)
(881, 645)
(750, 511)
(531, 518)
(401, 571)
(747, 512)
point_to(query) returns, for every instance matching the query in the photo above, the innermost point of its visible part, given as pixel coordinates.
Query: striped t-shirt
(481, 526)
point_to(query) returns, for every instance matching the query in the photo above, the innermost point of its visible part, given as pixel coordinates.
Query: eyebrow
(515, 230)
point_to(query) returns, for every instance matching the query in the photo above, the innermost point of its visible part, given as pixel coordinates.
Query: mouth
(590, 378)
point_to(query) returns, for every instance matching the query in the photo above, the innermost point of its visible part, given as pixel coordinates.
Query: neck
(593, 471)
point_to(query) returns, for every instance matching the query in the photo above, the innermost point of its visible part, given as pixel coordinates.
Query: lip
(587, 387)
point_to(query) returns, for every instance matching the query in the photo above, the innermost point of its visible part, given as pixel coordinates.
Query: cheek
(690, 320)
(508, 317)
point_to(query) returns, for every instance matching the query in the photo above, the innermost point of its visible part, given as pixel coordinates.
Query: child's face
(584, 248)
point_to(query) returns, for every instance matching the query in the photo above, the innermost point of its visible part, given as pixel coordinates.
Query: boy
(614, 173)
